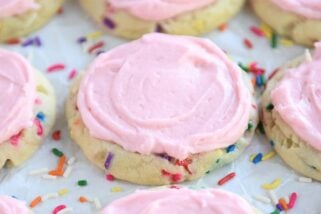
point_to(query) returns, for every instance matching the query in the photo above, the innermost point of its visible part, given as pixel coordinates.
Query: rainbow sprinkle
(108, 161)
(227, 178)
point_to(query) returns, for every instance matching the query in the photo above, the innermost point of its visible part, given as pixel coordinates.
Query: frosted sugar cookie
(132, 19)
(177, 201)
(27, 109)
(9, 205)
(162, 109)
(299, 20)
(21, 17)
(292, 113)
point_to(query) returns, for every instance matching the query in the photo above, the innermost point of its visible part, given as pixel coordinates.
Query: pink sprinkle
(14, 140)
(176, 177)
(39, 127)
(292, 200)
(110, 177)
(72, 74)
(58, 208)
(56, 67)
(38, 101)
(257, 31)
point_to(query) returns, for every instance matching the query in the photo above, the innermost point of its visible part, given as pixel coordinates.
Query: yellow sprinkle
(272, 185)
(269, 155)
(94, 35)
(266, 30)
(116, 189)
(287, 42)
(252, 157)
(63, 192)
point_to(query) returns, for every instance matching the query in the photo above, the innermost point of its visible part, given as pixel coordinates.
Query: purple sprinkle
(109, 23)
(165, 156)
(159, 29)
(37, 41)
(279, 207)
(28, 42)
(100, 52)
(108, 160)
(81, 40)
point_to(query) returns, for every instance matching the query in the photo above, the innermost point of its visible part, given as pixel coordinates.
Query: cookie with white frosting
(291, 113)
(21, 17)
(132, 19)
(162, 109)
(299, 20)
(27, 109)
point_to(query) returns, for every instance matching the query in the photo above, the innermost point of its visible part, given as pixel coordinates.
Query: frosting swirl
(180, 201)
(9, 205)
(17, 95)
(297, 98)
(157, 10)
(165, 94)
(307, 8)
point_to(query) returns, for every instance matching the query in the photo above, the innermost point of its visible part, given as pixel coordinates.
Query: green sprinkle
(263, 79)
(269, 107)
(274, 40)
(244, 68)
(208, 172)
(249, 126)
(82, 183)
(217, 161)
(57, 152)
(261, 127)
(275, 212)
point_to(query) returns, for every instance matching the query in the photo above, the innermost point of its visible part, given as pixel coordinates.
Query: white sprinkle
(308, 56)
(287, 199)
(49, 177)
(273, 197)
(66, 210)
(305, 179)
(263, 199)
(50, 196)
(67, 171)
(39, 171)
(97, 203)
(71, 160)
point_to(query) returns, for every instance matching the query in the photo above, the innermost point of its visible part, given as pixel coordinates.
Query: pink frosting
(9, 205)
(157, 10)
(16, 7)
(179, 201)
(17, 95)
(297, 98)
(307, 8)
(165, 94)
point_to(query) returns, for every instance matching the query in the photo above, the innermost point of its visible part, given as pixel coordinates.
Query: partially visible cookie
(10, 205)
(21, 17)
(291, 113)
(162, 109)
(27, 109)
(298, 20)
(183, 200)
(131, 20)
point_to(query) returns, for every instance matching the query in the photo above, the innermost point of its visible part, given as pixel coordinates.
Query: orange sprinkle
(283, 204)
(61, 163)
(82, 199)
(35, 202)
(77, 122)
(56, 172)
(222, 27)
(254, 82)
